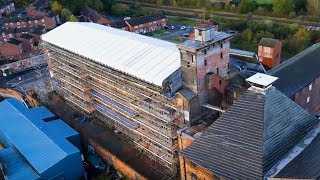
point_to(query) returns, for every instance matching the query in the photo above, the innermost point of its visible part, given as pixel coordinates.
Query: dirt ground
(115, 143)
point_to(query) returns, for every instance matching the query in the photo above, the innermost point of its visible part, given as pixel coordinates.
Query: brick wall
(301, 98)
(117, 163)
(148, 27)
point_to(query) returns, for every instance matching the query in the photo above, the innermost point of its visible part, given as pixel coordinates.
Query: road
(187, 12)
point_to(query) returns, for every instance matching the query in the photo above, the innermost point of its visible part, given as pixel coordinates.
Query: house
(90, 15)
(11, 49)
(49, 21)
(269, 52)
(146, 24)
(27, 41)
(6, 8)
(250, 138)
(299, 78)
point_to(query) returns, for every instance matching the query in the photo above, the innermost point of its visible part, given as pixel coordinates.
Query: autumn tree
(72, 18)
(56, 7)
(282, 6)
(313, 7)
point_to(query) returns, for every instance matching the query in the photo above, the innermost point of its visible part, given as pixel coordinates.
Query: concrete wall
(313, 106)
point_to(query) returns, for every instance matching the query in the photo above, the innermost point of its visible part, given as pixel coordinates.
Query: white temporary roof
(146, 58)
(262, 79)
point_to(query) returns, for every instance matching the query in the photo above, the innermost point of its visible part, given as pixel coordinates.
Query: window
(221, 45)
(199, 33)
(42, 20)
(205, 51)
(221, 55)
(193, 176)
(188, 64)
(218, 71)
(205, 62)
(308, 99)
(193, 58)
(220, 82)
(310, 87)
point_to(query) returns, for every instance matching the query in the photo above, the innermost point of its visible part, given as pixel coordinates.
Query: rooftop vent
(261, 82)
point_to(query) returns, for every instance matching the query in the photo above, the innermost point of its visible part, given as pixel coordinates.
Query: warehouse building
(35, 145)
(144, 87)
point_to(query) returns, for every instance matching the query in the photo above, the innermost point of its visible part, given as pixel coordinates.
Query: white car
(183, 28)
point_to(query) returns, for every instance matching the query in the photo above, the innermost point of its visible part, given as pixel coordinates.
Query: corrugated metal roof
(146, 58)
(247, 140)
(32, 143)
(15, 167)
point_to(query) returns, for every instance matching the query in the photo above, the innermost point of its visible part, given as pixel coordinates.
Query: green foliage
(65, 13)
(120, 9)
(313, 7)
(247, 35)
(56, 7)
(72, 18)
(22, 2)
(282, 6)
(248, 6)
(182, 21)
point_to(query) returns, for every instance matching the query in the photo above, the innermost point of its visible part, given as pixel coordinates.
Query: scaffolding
(130, 105)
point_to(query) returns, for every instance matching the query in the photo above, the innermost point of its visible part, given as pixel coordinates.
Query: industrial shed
(35, 145)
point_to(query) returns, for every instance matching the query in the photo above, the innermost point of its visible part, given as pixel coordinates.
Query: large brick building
(299, 78)
(145, 88)
(6, 8)
(250, 139)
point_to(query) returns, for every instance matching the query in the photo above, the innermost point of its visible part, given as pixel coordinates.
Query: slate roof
(298, 72)
(247, 140)
(268, 42)
(146, 19)
(26, 36)
(187, 93)
(118, 24)
(14, 41)
(306, 165)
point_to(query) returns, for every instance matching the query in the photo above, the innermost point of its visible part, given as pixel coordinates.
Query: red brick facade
(48, 22)
(147, 27)
(309, 97)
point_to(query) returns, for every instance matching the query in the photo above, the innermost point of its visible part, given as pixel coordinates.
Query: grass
(159, 32)
(182, 21)
(175, 39)
(264, 1)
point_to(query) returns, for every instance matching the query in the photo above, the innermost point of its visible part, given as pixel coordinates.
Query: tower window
(218, 71)
(221, 45)
(220, 82)
(205, 62)
(221, 55)
(205, 51)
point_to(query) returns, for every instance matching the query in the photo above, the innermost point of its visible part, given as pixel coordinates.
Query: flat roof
(262, 79)
(145, 58)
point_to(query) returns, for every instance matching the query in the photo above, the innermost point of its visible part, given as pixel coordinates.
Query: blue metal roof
(15, 167)
(41, 144)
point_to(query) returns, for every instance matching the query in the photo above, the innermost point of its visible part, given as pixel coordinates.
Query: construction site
(135, 84)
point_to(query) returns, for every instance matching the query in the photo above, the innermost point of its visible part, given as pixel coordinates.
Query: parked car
(183, 28)
(172, 27)
(126, 18)
(185, 34)
(317, 116)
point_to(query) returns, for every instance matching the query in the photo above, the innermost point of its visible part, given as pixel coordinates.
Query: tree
(299, 5)
(282, 6)
(65, 13)
(302, 34)
(56, 7)
(247, 6)
(72, 18)
(95, 4)
(313, 7)
(247, 35)
(120, 9)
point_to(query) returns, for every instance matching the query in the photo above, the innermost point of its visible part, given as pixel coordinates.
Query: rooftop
(268, 42)
(40, 144)
(14, 41)
(194, 45)
(149, 59)
(146, 19)
(298, 71)
(249, 138)
(262, 79)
